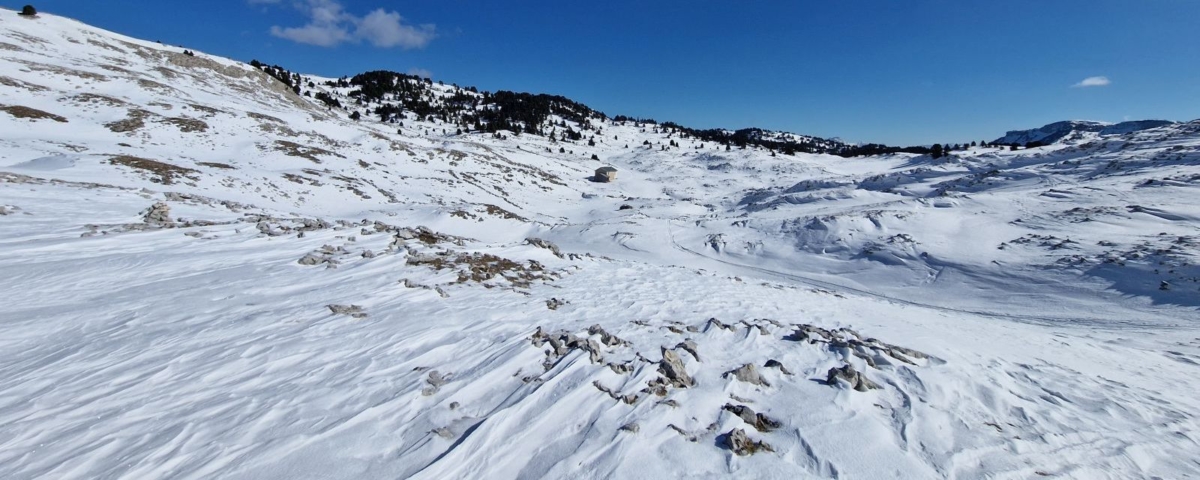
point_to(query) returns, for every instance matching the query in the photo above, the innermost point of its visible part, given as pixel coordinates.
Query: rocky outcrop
(855, 378)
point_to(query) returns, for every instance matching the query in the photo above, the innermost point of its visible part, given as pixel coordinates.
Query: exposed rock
(158, 215)
(631, 427)
(435, 381)
(628, 399)
(671, 367)
(855, 378)
(714, 323)
(554, 303)
(759, 421)
(605, 337)
(690, 347)
(742, 445)
(454, 405)
(351, 310)
(748, 373)
(621, 368)
(695, 436)
(444, 432)
(368, 254)
(537, 242)
(775, 364)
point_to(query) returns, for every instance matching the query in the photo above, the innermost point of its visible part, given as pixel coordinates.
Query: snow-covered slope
(210, 276)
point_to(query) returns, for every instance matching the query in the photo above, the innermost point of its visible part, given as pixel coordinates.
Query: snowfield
(208, 276)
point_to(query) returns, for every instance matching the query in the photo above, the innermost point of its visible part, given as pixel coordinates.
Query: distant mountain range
(1058, 130)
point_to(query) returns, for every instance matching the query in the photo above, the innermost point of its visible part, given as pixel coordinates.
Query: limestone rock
(741, 444)
(855, 378)
(671, 367)
(748, 373)
(351, 310)
(759, 421)
(158, 215)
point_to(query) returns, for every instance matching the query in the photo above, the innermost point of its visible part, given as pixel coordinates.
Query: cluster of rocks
(484, 267)
(672, 372)
(158, 215)
(870, 350)
(351, 310)
(435, 381)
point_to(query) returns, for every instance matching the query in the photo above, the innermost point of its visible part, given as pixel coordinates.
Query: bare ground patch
(225, 166)
(14, 83)
(160, 172)
(66, 72)
(294, 149)
(262, 117)
(135, 120)
(187, 125)
(31, 113)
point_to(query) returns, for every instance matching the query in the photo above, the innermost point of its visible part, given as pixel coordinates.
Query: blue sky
(888, 71)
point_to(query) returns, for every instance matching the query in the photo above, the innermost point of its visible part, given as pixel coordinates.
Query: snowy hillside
(209, 275)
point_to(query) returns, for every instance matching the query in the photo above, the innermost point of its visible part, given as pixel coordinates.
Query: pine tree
(28, 11)
(936, 151)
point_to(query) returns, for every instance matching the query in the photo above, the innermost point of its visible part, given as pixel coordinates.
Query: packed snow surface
(209, 276)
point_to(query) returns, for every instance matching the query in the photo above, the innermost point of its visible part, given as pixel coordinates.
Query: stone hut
(606, 174)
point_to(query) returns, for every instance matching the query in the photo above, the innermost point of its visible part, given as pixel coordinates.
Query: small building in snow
(606, 174)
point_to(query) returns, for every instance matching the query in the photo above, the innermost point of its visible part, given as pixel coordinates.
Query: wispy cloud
(1092, 82)
(330, 25)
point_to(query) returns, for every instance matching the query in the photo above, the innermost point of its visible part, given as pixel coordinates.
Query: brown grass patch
(210, 111)
(163, 173)
(217, 165)
(31, 113)
(259, 116)
(135, 121)
(95, 98)
(153, 85)
(187, 125)
(67, 72)
(14, 83)
(294, 149)
(502, 213)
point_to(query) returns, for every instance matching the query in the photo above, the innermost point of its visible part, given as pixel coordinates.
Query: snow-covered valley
(209, 276)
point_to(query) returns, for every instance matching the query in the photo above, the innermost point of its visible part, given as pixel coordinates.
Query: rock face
(748, 373)
(671, 367)
(158, 215)
(742, 445)
(855, 378)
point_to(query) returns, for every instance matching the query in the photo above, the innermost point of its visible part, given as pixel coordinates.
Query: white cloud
(387, 29)
(330, 25)
(1092, 82)
(420, 72)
